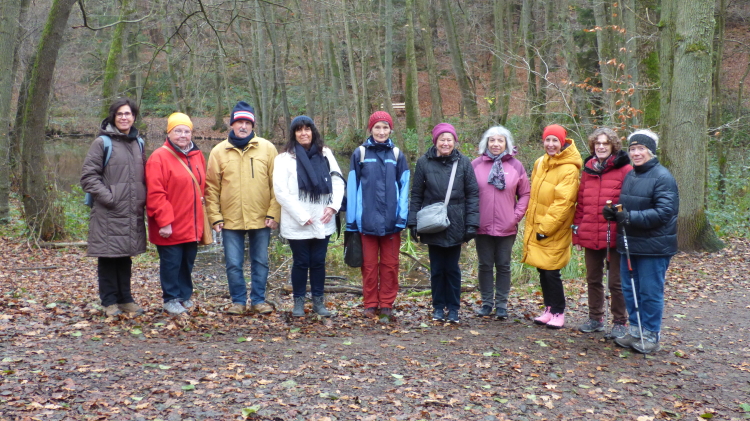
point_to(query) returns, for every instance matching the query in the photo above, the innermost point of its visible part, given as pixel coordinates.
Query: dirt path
(67, 362)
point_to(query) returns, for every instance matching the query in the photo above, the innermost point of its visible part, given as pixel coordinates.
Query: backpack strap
(396, 151)
(362, 149)
(107, 144)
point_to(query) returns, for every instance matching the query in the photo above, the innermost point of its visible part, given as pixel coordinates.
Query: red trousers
(380, 269)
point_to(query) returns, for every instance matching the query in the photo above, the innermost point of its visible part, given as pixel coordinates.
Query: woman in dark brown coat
(116, 226)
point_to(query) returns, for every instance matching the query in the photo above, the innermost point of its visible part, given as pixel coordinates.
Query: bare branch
(86, 24)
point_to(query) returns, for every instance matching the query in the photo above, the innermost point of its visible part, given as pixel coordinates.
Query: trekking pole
(632, 281)
(607, 296)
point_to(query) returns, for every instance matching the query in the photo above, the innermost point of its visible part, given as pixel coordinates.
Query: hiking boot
(132, 308)
(112, 310)
(386, 311)
(485, 311)
(557, 321)
(236, 309)
(630, 338)
(453, 316)
(592, 325)
(619, 330)
(501, 313)
(438, 315)
(371, 312)
(188, 304)
(650, 343)
(262, 308)
(173, 307)
(299, 307)
(545, 317)
(319, 307)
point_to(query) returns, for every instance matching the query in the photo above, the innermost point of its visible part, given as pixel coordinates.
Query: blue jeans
(234, 254)
(648, 277)
(309, 256)
(175, 269)
(445, 277)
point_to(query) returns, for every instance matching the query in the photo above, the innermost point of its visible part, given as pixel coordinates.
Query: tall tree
(426, 27)
(686, 120)
(37, 197)
(468, 96)
(412, 80)
(10, 12)
(389, 48)
(111, 85)
(631, 58)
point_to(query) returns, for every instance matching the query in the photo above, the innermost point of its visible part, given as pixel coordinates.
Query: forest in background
(524, 63)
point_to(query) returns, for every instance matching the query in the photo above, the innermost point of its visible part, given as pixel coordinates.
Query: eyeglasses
(181, 132)
(601, 144)
(125, 114)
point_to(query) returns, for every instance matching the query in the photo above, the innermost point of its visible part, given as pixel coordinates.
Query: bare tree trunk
(352, 72)
(412, 78)
(685, 150)
(532, 95)
(604, 48)
(578, 95)
(389, 49)
(666, 62)
(10, 12)
(426, 27)
(468, 96)
(631, 59)
(110, 84)
(40, 214)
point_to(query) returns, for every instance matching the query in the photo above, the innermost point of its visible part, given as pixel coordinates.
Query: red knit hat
(555, 130)
(379, 116)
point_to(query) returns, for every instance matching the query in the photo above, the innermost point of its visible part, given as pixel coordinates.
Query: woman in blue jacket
(650, 203)
(378, 207)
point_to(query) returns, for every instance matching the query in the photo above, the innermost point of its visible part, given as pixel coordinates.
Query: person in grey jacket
(431, 179)
(116, 225)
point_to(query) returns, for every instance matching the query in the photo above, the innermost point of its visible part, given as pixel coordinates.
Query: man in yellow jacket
(240, 201)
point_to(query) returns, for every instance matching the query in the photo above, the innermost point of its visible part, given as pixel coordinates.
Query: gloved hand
(623, 217)
(413, 233)
(471, 233)
(540, 237)
(609, 213)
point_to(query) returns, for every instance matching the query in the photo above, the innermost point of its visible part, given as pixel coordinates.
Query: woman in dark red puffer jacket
(601, 180)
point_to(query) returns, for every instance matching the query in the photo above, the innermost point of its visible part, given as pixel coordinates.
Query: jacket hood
(621, 159)
(568, 155)
(108, 129)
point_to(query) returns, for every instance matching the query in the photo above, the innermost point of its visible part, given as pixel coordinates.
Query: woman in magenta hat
(377, 208)
(432, 179)
(548, 234)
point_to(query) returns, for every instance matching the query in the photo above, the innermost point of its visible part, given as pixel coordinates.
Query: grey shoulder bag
(434, 218)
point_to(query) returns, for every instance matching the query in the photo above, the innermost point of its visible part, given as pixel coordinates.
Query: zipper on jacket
(252, 167)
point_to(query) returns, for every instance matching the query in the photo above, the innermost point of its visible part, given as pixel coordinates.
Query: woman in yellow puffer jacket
(548, 234)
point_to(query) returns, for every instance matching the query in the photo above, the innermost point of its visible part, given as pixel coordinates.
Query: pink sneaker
(544, 318)
(557, 321)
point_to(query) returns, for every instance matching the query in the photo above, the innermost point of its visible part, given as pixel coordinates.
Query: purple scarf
(497, 175)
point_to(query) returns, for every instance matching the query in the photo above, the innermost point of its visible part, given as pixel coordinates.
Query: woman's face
(124, 119)
(496, 144)
(552, 145)
(445, 144)
(381, 131)
(180, 136)
(602, 147)
(639, 154)
(303, 134)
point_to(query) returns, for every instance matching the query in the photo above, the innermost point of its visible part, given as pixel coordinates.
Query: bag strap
(337, 217)
(186, 169)
(450, 183)
(396, 152)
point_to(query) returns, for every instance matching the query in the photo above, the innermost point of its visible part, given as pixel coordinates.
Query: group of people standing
(248, 189)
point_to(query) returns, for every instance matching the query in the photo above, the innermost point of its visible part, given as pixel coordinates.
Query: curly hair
(612, 138)
(496, 131)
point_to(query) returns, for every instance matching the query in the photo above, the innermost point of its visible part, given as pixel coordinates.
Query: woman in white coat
(309, 195)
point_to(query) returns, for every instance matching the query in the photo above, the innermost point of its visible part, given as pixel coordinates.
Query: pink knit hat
(443, 128)
(379, 116)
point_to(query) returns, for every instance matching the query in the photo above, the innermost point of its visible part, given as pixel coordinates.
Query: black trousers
(445, 277)
(552, 290)
(114, 280)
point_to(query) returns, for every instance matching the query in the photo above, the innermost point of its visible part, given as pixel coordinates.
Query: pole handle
(618, 207)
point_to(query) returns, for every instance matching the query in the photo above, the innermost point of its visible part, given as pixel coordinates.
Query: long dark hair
(297, 123)
(116, 106)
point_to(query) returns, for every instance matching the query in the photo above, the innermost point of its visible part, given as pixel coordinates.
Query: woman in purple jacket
(504, 192)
